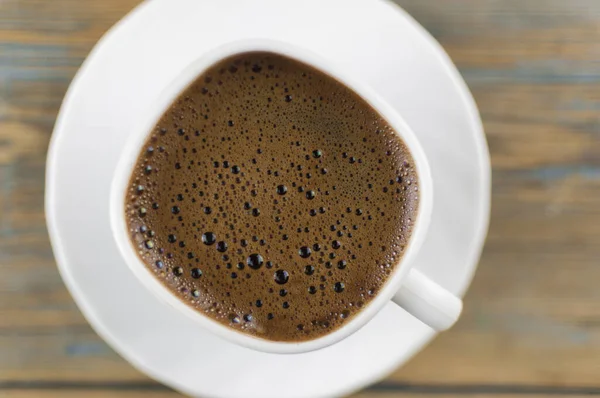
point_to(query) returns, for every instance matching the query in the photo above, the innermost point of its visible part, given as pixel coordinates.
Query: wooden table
(531, 326)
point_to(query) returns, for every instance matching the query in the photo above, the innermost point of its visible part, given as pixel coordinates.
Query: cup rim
(140, 133)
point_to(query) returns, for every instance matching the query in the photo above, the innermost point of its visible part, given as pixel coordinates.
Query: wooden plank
(89, 394)
(134, 394)
(170, 394)
(41, 331)
(531, 127)
(368, 394)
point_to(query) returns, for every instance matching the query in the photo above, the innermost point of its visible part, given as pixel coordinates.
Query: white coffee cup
(406, 286)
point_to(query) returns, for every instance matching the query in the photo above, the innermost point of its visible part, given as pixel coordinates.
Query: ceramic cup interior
(420, 287)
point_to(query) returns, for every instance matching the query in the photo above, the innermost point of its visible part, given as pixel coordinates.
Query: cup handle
(428, 301)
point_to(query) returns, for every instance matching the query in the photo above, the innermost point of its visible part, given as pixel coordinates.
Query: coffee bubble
(272, 199)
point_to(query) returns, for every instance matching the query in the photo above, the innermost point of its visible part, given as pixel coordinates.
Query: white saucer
(374, 40)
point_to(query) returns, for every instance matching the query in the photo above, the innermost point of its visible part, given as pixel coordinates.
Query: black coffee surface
(272, 198)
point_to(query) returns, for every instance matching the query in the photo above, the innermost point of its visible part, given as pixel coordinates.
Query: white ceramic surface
(131, 65)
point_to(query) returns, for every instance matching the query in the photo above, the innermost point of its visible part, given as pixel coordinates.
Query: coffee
(272, 198)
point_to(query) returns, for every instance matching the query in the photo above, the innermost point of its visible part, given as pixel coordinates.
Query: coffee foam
(272, 198)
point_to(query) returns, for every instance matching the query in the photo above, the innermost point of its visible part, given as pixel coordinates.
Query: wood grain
(531, 326)
(366, 394)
